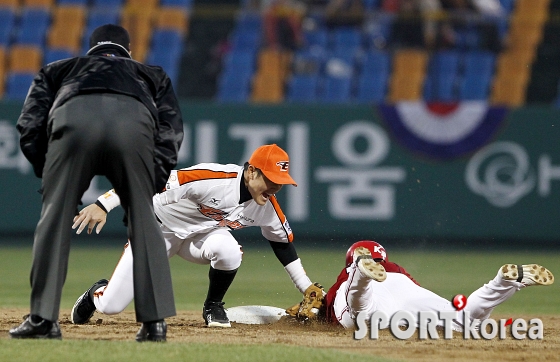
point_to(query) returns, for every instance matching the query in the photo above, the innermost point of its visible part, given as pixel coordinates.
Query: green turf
(108, 351)
(261, 281)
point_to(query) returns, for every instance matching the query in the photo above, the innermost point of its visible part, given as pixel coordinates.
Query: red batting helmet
(377, 251)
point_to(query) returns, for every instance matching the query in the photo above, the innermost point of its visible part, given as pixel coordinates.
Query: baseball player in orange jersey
(197, 211)
(370, 283)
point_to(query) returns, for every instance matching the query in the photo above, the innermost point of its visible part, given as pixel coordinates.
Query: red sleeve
(331, 294)
(391, 267)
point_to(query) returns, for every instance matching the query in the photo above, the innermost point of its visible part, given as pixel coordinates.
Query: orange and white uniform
(198, 209)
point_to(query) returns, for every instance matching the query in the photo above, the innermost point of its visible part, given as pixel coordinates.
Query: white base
(255, 314)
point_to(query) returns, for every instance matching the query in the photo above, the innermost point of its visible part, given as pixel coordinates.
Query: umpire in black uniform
(100, 114)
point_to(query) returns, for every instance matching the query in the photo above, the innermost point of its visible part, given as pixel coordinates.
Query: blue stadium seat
(233, 87)
(441, 87)
(52, 55)
(309, 61)
(376, 62)
(249, 21)
(17, 85)
(474, 87)
(303, 89)
(185, 4)
(72, 2)
(372, 87)
(7, 22)
(371, 4)
(508, 5)
(316, 38)
(239, 60)
(107, 3)
(246, 40)
(346, 38)
(336, 90)
(33, 26)
(479, 63)
(445, 61)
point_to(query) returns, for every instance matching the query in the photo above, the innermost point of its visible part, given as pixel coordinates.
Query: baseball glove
(312, 302)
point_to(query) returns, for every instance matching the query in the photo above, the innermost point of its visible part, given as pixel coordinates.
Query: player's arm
(287, 255)
(96, 213)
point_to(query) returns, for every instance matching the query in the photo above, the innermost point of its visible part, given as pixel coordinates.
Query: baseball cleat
(528, 274)
(367, 266)
(215, 315)
(42, 329)
(84, 307)
(152, 332)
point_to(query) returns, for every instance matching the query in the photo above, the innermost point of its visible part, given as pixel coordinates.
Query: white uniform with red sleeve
(354, 293)
(198, 209)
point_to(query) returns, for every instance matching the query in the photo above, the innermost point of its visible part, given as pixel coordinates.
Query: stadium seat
(345, 38)
(336, 90)
(246, 40)
(376, 62)
(107, 3)
(371, 88)
(2, 70)
(52, 55)
(249, 21)
(17, 85)
(309, 61)
(479, 63)
(303, 89)
(9, 4)
(83, 3)
(167, 18)
(233, 86)
(316, 38)
(474, 87)
(33, 26)
(239, 60)
(24, 58)
(185, 4)
(43, 4)
(7, 23)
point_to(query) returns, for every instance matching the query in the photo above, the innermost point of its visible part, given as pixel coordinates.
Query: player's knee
(228, 258)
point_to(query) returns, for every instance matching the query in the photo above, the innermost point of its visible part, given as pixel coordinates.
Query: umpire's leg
(131, 171)
(67, 174)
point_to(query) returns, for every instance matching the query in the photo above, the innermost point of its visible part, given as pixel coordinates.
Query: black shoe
(152, 331)
(215, 315)
(84, 307)
(43, 329)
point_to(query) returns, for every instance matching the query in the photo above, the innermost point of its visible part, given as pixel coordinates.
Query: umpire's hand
(90, 215)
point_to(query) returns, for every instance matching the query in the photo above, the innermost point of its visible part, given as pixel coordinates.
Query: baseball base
(255, 314)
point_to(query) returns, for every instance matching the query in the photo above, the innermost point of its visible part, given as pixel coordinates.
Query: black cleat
(152, 331)
(44, 329)
(84, 307)
(215, 315)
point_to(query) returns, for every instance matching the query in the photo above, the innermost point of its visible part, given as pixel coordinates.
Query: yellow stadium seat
(139, 24)
(12, 4)
(24, 58)
(171, 18)
(2, 70)
(38, 3)
(267, 88)
(509, 92)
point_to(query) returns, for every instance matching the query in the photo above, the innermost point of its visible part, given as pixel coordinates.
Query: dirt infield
(188, 326)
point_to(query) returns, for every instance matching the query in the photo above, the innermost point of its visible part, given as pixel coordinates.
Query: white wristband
(109, 200)
(299, 277)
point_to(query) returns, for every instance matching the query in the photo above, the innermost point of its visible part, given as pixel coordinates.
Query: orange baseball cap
(274, 163)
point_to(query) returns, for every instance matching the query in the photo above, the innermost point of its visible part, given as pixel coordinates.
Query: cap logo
(283, 165)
